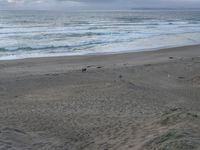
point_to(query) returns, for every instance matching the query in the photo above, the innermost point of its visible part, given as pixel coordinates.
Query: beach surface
(131, 101)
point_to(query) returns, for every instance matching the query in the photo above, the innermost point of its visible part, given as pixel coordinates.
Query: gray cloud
(96, 4)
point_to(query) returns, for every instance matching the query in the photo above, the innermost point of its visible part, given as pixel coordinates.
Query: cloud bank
(96, 4)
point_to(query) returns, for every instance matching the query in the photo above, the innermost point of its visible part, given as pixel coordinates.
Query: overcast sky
(96, 4)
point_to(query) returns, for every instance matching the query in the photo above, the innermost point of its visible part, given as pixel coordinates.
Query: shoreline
(61, 64)
(103, 53)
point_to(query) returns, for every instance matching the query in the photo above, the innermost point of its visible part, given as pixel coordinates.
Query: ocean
(25, 34)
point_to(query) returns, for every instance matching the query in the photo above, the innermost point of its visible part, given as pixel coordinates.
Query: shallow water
(43, 33)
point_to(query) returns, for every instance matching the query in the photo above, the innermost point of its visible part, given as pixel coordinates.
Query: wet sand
(132, 101)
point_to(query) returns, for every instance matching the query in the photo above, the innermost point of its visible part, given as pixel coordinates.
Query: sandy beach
(131, 101)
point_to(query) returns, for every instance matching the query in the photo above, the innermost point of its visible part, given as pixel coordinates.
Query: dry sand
(132, 101)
